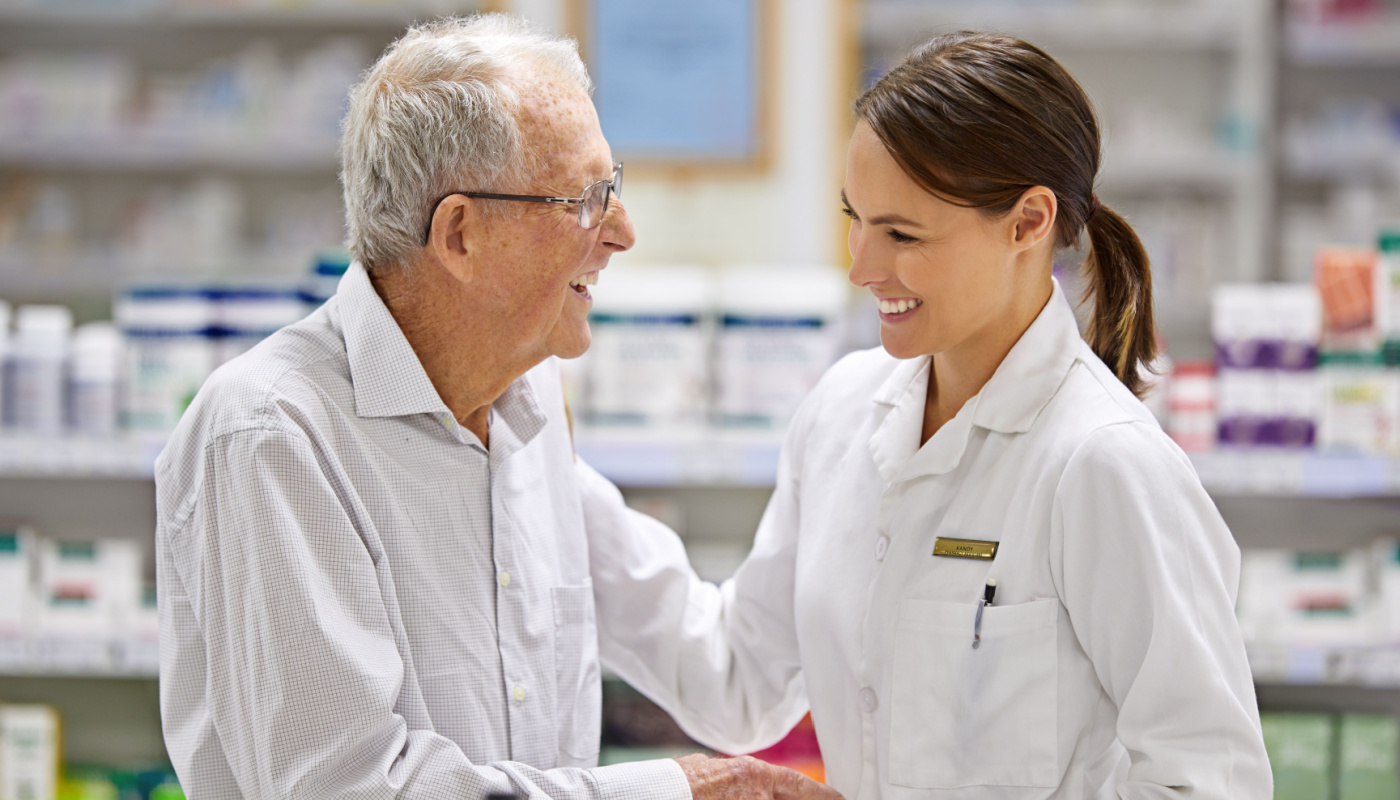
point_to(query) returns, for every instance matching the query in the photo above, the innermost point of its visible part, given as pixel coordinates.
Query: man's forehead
(559, 124)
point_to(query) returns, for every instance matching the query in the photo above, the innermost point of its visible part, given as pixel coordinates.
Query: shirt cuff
(662, 779)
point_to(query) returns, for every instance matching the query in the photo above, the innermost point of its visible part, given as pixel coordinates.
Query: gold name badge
(965, 548)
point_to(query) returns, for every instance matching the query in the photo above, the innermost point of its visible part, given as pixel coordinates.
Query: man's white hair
(439, 113)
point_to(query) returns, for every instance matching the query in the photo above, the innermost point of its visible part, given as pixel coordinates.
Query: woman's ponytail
(1122, 330)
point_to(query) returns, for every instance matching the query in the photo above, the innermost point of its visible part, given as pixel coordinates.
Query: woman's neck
(959, 373)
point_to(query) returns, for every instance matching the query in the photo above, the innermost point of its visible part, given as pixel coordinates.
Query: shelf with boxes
(160, 14)
(1370, 39)
(1189, 26)
(79, 607)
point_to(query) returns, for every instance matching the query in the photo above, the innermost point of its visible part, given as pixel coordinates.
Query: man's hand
(746, 778)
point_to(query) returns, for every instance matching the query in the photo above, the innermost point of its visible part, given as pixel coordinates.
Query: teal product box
(1300, 752)
(1368, 756)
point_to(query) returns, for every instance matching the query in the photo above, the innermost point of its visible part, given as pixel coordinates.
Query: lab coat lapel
(899, 416)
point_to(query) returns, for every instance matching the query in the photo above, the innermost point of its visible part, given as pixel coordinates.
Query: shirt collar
(389, 380)
(1025, 381)
(1032, 372)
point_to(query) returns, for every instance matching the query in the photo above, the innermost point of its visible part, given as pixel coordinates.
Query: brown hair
(978, 119)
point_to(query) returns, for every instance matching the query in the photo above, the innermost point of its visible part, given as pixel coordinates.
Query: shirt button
(882, 546)
(519, 694)
(868, 701)
(503, 579)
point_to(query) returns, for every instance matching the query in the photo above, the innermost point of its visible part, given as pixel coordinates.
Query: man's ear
(1032, 220)
(452, 236)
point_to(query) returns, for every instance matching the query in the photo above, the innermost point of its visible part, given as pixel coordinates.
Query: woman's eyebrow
(885, 219)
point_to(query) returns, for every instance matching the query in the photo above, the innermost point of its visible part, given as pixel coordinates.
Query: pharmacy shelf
(79, 657)
(174, 154)
(1296, 474)
(1371, 667)
(123, 457)
(1214, 171)
(59, 271)
(740, 458)
(895, 24)
(1362, 43)
(638, 458)
(156, 15)
(1345, 165)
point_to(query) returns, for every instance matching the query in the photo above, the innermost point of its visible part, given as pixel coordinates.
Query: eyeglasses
(592, 204)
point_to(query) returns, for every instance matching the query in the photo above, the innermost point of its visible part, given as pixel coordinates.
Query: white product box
(647, 363)
(780, 329)
(1305, 599)
(30, 752)
(1359, 406)
(89, 592)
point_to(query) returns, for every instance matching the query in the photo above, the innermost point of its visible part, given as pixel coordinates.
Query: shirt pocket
(974, 717)
(577, 676)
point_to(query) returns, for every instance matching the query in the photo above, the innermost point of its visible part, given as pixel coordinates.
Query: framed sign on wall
(681, 85)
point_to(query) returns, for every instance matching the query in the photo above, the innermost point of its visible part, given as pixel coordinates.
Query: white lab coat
(1110, 666)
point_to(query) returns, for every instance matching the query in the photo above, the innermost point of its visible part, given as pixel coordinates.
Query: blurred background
(168, 197)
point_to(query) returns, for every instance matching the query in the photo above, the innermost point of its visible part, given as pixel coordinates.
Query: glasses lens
(595, 205)
(617, 180)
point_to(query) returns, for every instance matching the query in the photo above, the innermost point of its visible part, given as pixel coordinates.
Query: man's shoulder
(297, 378)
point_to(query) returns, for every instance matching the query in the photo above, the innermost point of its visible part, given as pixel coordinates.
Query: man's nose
(618, 234)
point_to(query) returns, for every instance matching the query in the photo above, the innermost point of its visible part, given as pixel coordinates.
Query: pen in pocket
(988, 594)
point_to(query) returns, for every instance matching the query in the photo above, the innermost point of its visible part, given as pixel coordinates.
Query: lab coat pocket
(577, 676)
(974, 717)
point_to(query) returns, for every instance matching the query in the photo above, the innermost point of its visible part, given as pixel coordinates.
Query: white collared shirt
(1110, 664)
(357, 599)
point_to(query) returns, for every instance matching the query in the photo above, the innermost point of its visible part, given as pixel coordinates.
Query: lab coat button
(882, 546)
(868, 701)
(503, 579)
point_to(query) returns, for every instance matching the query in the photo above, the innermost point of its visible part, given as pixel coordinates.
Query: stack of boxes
(1301, 366)
(689, 348)
(71, 605)
(1320, 756)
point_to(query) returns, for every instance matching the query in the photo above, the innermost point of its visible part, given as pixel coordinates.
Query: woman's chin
(901, 345)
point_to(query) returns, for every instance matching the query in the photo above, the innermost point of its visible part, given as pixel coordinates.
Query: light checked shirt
(358, 599)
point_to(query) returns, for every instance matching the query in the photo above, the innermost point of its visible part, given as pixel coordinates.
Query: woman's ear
(1033, 218)
(451, 238)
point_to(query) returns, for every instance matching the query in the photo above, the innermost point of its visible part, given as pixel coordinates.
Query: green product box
(1370, 749)
(1300, 752)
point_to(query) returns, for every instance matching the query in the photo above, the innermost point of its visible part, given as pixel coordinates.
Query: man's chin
(573, 344)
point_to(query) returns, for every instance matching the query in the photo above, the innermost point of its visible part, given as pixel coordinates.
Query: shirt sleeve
(1149, 573)
(722, 660)
(303, 665)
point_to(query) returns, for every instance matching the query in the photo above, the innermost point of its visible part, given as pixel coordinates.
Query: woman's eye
(900, 238)
(848, 212)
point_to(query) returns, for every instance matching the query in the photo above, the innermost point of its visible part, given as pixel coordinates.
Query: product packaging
(16, 593)
(1309, 599)
(1367, 768)
(1267, 338)
(250, 312)
(1300, 753)
(36, 369)
(321, 280)
(90, 591)
(780, 328)
(1359, 403)
(647, 364)
(94, 397)
(1388, 289)
(30, 753)
(171, 348)
(1191, 420)
(1346, 280)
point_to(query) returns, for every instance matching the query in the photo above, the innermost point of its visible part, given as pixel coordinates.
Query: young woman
(985, 569)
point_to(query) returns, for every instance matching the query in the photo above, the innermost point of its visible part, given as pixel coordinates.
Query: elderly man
(374, 575)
